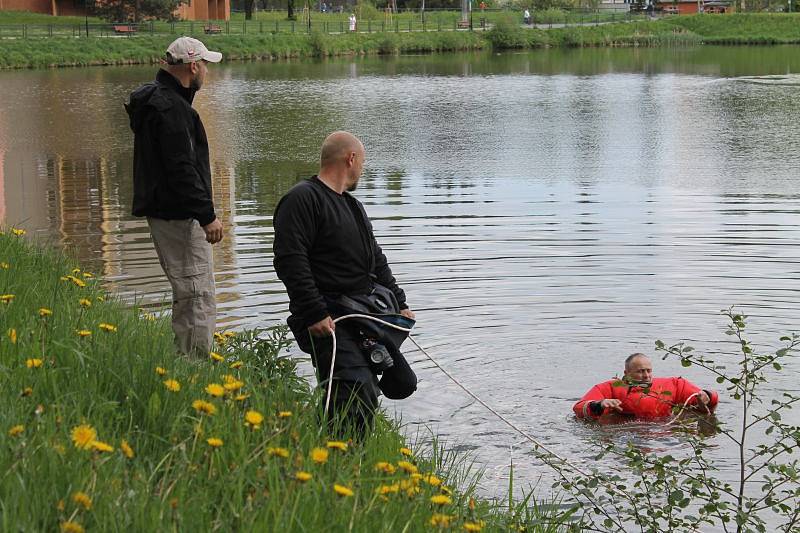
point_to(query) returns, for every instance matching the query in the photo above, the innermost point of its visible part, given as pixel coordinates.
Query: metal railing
(406, 21)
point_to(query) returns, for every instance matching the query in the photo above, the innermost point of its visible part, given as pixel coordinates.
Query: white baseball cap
(189, 50)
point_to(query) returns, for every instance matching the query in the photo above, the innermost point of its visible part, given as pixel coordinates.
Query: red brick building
(193, 10)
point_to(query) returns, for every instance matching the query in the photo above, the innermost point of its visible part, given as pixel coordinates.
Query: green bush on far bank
(104, 428)
(505, 34)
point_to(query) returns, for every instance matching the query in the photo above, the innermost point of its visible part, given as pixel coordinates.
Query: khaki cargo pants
(188, 263)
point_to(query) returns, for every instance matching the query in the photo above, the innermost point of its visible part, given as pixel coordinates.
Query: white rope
(449, 375)
(685, 404)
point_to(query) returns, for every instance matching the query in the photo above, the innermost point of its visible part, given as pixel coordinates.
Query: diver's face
(640, 370)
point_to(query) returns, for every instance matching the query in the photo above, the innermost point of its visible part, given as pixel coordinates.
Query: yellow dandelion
(232, 386)
(341, 490)
(161, 371)
(100, 299)
(27, 391)
(127, 451)
(383, 490)
(83, 436)
(216, 357)
(241, 397)
(100, 446)
(172, 385)
(215, 389)
(284, 414)
(302, 476)
(219, 337)
(278, 452)
(253, 418)
(406, 452)
(88, 275)
(76, 270)
(408, 467)
(214, 442)
(149, 316)
(82, 499)
(229, 334)
(6, 298)
(77, 281)
(85, 302)
(16, 430)
(441, 499)
(109, 328)
(474, 526)
(440, 520)
(83, 332)
(18, 232)
(34, 363)
(71, 527)
(236, 364)
(432, 480)
(4, 265)
(386, 468)
(44, 312)
(338, 445)
(12, 335)
(60, 506)
(202, 406)
(319, 455)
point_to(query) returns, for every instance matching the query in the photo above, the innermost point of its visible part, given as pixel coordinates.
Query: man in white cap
(172, 188)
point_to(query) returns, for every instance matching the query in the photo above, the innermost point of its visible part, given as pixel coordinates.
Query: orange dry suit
(637, 401)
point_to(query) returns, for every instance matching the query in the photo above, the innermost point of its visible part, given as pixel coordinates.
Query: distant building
(688, 7)
(192, 10)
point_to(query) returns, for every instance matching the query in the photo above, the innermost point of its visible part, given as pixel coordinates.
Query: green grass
(54, 381)
(746, 28)
(260, 39)
(27, 17)
(147, 49)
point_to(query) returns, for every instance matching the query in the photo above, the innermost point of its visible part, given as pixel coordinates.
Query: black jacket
(171, 172)
(324, 247)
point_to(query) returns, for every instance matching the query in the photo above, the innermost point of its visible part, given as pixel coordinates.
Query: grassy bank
(506, 33)
(105, 429)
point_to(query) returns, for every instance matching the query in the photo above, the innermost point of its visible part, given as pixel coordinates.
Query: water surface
(547, 213)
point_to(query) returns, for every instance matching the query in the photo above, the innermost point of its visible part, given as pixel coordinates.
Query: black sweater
(324, 246)
(171, 172)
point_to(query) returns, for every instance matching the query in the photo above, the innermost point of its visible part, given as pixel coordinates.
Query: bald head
(639, 368)
(337, 147)
(341, 161)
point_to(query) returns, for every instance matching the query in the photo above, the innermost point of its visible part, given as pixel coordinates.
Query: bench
(212, 28)
(125, 28)
(463, 24)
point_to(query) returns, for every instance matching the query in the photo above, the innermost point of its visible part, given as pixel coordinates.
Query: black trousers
(355, 388)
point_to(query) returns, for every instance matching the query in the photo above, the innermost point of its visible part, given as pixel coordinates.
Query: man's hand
(213, 231)
(408, 313)
(703, 398)
(613, 404)
(323, 328)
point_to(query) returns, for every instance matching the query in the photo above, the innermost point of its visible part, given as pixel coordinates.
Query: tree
(135, 10)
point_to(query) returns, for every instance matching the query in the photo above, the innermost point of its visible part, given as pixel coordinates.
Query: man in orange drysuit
(640, 395)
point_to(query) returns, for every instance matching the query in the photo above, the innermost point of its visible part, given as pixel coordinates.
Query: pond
(548, 213)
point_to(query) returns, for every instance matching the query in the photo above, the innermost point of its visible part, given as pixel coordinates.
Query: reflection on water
(547, 213)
